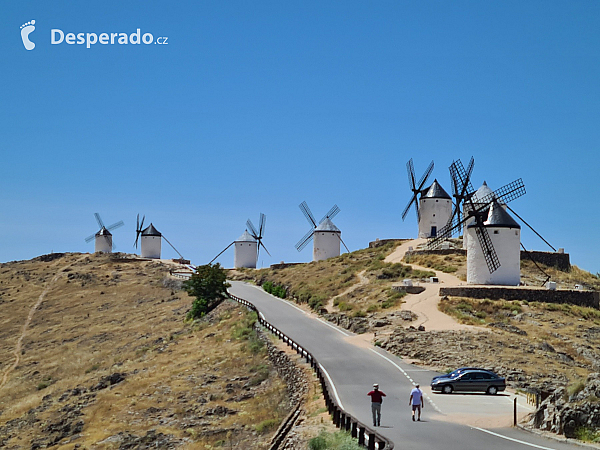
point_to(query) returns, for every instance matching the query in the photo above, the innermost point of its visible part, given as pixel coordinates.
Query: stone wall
(580, 298)
(284, 265)
(559, 260)
(297, 384)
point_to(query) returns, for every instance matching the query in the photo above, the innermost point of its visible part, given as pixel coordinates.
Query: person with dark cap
(416, 401)
(376, 401)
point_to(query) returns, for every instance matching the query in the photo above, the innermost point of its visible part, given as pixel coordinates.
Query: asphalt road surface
(447, 422)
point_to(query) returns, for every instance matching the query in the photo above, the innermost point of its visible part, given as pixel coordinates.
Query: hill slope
(107, 361)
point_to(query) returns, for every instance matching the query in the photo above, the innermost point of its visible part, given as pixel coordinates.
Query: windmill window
(434, 215)
(436, 201)
(496, 231)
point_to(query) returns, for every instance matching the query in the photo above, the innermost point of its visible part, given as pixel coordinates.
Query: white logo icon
(26, 30)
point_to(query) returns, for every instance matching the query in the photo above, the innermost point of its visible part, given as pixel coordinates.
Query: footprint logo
(26, 30)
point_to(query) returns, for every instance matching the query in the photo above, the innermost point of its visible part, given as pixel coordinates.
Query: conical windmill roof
(435, 191)
(327, 225)
(103, 232)
(483, 191)
(151, 231)
(498, 218)
(245, 237)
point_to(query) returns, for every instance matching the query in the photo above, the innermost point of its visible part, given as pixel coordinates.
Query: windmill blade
(220, 253)
(253, 231)
(260, 244)
(120, 223)
(410, 168)
(506, 193)
(89, 238)
(173, 247)
(308, 214)
(137, 235)
(331, 214)
(489, 252)
(405, 212)
(305, 240)
(470, 167)
(463, 178)
(342, 241)
(530, 227)
(425, 176)
(261, 225)
(99, 220)
(138, 229)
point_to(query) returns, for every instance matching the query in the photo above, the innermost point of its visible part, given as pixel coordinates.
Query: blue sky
(256, 106)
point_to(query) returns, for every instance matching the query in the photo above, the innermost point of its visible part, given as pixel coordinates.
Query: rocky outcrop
(562, 414)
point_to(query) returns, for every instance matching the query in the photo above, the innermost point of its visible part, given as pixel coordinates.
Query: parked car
(470, 381)
(456, 372)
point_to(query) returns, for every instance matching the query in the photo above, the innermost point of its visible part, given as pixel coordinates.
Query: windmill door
(433, 231)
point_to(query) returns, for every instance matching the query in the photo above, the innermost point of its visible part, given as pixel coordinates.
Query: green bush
(209, 285)
(340, 440)
(274, 289)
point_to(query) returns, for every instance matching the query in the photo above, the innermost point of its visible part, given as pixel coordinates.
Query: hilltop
(107, 360)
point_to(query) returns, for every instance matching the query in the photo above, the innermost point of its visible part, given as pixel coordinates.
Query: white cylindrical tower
(505, 234)
(151, 242)
(326, 241)
(246, 251)
(103, 241)
(435, 209)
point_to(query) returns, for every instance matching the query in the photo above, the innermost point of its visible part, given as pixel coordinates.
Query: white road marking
(332, 326)
(332, 386)
(512, 439)
(431, 402)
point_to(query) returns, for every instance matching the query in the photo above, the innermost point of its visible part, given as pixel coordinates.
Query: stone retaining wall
(559, 260)
(580, 298)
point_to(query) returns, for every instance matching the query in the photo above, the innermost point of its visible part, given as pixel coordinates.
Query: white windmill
(247, 246)
(151, 240)
(505, 238)
(432, 204)
(103, 238)
(493, 236)
(325, 235)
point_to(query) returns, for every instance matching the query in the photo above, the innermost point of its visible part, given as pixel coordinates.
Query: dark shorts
(416, 407)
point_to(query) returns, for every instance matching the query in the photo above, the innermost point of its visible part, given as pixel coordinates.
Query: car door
(463, 382)
(479, 383)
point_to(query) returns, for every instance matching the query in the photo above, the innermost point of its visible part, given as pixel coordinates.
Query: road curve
(353, 367)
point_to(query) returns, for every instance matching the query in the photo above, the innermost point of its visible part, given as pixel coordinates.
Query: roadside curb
(554, 437)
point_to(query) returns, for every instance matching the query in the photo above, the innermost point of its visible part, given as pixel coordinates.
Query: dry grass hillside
(107, 361)
(356, 282)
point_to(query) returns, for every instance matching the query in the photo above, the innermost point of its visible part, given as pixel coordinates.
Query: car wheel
(447, 389)
(492, 390)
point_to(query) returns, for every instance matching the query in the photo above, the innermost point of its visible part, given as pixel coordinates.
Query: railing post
(354, 431)
(371, 441)
(515, 412)
(336, 417)
(342, 420)
(347, 424)
(361, 436)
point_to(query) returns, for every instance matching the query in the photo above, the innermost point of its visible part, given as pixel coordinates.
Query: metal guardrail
(367, 437)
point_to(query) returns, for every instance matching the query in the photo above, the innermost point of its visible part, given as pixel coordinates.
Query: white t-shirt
(416, 396)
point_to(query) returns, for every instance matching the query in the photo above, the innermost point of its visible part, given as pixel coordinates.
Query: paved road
(354, 366)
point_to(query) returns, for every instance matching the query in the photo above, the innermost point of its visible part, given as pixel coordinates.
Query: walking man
(376, 400)
(416, 401)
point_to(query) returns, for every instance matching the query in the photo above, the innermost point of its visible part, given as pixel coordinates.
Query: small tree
(209, 286)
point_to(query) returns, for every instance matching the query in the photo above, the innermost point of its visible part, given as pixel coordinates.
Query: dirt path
(19, 346)
(425, 304)
(362, 280)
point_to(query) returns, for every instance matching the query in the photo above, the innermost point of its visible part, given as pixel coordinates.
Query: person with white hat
(376, 401)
